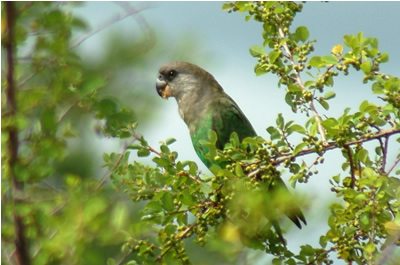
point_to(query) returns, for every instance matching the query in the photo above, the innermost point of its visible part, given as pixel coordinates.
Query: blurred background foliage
(62, 101)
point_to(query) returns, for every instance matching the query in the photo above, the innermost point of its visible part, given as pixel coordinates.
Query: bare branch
(352, 169)
(116, 18)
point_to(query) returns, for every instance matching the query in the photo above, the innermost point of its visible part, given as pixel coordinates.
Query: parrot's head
(181, 79)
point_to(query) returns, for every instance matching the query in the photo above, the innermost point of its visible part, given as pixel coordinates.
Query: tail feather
(296, 217)
(286, 201)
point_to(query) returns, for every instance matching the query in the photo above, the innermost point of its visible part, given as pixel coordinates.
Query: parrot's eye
(171, 74)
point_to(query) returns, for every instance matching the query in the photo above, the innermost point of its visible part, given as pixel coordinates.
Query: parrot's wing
(228, 118)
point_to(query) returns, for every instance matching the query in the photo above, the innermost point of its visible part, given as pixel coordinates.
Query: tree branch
(21, 246)
(352, 170)
(330, 146)
(178, 237)
(298, 80)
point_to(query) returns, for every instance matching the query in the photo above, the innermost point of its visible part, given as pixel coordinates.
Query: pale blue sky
(222, 44)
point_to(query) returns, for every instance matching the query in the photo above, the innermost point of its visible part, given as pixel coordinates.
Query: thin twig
(67, 111)
(195, 178)
(109, 171)
(126, 256)
(107, 24)
(179, 236)
(394, 165)
(26, 80)
(321, 129)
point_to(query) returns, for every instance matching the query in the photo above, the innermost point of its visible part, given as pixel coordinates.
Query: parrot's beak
(162, 88)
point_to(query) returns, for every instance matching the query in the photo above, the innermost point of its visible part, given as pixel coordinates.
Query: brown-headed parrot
(204, 106)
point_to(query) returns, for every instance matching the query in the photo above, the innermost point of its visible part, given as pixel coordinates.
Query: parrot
(204, 106)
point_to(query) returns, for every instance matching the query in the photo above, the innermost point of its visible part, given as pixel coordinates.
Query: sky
(221, 44)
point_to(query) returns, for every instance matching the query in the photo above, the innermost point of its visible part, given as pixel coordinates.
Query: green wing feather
(225, 117)
(228, 118)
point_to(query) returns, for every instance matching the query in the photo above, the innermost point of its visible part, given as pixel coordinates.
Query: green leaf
(317, 62)
(143, 152)
(91, 85)
(365, 221)
(366, 67)
(329, 123)
(212, 136)
(153, 207)
(323, 103)
(170, 229)
(105, 107)
(239, 171)
(392, 228)
(182, 219)
(227, 6)
(298, 148)
(384, 57)
(308, 83)
(377, 88)
(257, 51)
(134, 146)
(323, 240)
(294, 88)
(167, 202)
(162, 161)
(234, 139)
(205, 188)
(363, 156)
(269, 4)
(329, 95)
(302, 33)
(164, 149)
(259, 70)
(278, 9)
(280, 122)
(273, 55)
(275, 134)
(307, 250)
(289, 101)
(187, 198)
(370, 247)
(297, 128)
(170, 141)
(336, 178)
(329, 59)
(143, 142)
(350, 230)
(225, 172)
